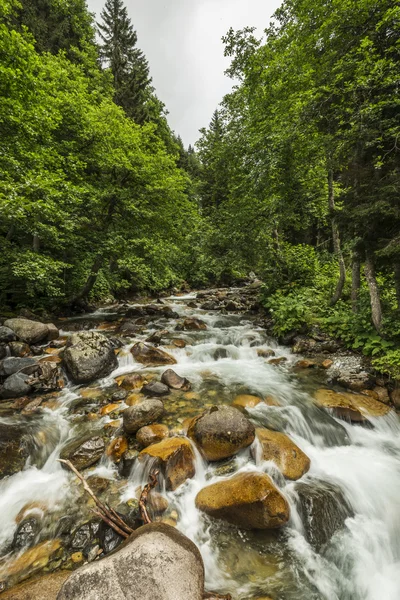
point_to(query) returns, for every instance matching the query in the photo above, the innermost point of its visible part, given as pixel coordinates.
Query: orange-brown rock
(149, 355)
(51, 358)
(192, 324)
(277, 361)
(271, 401)
(248, 500)
(116, 448)
(133, 399)
(354, 407)
(29, 562)
(395, 397)
(279, 448)
(133, 381)
(305, 364)
(175, 458)
(109, 408)
(113, 424)
(244, 401)
(327, 363)
(91, 392)
(179, 343)
(382, 393)
(152, 434)
(265, 352)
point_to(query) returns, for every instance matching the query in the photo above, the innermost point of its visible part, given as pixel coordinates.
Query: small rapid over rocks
(287, 484)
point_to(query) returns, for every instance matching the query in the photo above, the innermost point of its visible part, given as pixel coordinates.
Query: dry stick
(110, 515)
(143, 497)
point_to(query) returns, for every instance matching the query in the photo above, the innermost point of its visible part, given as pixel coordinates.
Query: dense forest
(296, 178)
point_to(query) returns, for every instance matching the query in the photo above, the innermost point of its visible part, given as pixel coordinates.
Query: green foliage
(290, 311)
(389, 364)
(127, 63)
(91, 203)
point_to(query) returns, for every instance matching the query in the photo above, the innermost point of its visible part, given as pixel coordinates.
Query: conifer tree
(127, 63)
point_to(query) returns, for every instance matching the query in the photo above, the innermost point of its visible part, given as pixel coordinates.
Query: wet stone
(84, 535)
(85, 453)
(155, 389)
(175, 381)
(324, 510)
(27, 533)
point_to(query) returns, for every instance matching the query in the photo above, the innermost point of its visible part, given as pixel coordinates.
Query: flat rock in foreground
(156, 563)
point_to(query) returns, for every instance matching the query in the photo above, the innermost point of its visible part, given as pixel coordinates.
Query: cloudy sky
(182, 42)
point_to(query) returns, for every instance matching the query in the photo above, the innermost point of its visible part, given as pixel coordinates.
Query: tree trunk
(98, 262)
(90, 281)
(36, 243)
(376, 307)
(336, 241)
(397, 282)
(355, 280)
(10, 232)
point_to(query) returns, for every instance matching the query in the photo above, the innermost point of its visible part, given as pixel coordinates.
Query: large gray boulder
(89, 355)
(6, 335)
(156, 563)
(31, 332)
(15, 386)
(13, 364)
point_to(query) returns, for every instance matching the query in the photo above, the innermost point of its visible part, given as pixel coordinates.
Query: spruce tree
(127, 63)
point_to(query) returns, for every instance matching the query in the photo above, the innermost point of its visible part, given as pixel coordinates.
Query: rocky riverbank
(194, 387)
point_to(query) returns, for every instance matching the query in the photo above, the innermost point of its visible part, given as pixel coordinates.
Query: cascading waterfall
(361, 561)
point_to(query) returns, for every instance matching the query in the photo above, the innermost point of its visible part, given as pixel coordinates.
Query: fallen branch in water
(107, 514)
(144, 497)
(214, 596)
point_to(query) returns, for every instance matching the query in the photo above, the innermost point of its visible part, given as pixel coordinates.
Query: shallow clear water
(360, 562)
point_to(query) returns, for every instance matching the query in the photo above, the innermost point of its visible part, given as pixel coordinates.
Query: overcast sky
(182, 42)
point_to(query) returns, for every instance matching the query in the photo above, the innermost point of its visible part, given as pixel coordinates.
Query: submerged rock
(13, 449)
(174, 381)
(353, 407)
(19, 349)
(248, 500)
(175, 458)
(152, 434)
(89, 355)
(149, 355)
(192, 324)
(244, 401)
(323, 509)
(157, 562)
(279, 448)
(144, 413)
(84, 453)
(133, 381)
(29, 562)
(221, 432)
(155, 388)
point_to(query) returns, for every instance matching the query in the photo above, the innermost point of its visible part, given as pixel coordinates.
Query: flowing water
(354, 469)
